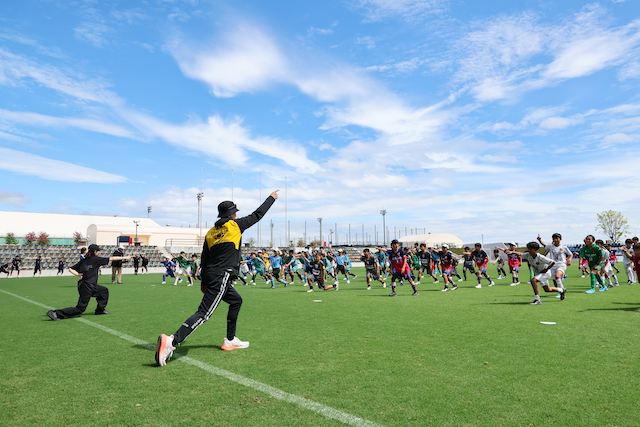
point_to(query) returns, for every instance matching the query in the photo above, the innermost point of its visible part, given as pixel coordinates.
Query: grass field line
(320, 408)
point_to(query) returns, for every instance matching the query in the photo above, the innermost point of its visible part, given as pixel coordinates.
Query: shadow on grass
(636, 307)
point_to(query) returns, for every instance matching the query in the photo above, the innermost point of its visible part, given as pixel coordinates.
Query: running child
(372, 268)
(60, 267)
(500, 261)
(425, 264)
(169, 267)
(593, 254)
(276, 265)
(627, 261)
(182, 268)
(399, 267)
(318, 274)
(446, 261)
(515, 261)
(540, 265)
(605, 267)
(481, 259)
(467, 256)
(341, 261)
(562, 257)
(382, 262)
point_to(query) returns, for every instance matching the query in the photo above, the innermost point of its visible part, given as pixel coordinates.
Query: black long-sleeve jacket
(221, 249)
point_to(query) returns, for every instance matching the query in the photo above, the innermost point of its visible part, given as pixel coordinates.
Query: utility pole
(286, 231)
(384, 227)
(271, 245)
(200, 196)
(148, 211)
(320, 221)
(136, 239)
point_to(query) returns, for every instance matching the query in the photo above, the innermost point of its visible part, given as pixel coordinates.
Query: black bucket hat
(227, 208)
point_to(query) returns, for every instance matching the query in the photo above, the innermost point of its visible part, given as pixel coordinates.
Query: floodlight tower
(137, 223)
(320, 221)
(148, 211)
(383, 212)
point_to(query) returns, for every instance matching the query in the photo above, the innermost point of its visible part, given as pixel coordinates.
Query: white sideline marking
(320, 408)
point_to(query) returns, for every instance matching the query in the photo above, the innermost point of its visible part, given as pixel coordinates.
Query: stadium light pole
(320, 221)
(148, 211)
(383, 212)
(136, 239)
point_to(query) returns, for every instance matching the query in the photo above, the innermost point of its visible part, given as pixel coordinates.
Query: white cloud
(13, 198)
(93, 32)
(245, 60)
(58, 122)
(619, 138)
(55, 170)
(500, 126)
(178, 15)
(16, 68)
(366, 41)
(411, 10)
(130, 15)
(559, 122)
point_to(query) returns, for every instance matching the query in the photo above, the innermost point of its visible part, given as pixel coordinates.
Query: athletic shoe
(590, 291)
(514, 284)
(179, 280)
(234, 344)
(492, 283)
(454, 287)
(119, 283)
(602, 289)
(529, 282)
(164, 350)
(175, 284)
(337, 286)
(558, 296)
(445, 290)
(52, 315)
(583, 276)
(417, 283)
(253, 283)
(459, 280)
(348, 281)
(191, 284)
(113, 283)
(164, 283)
(617, 284)
(392, 294)
(478, 286)
(518, 282)
(97, 313)
(310, 290)
(272, 287)
(355, 277)
(415, 293)
(369, 287)
(536, 302)
(563, 295)
(384, 285)
(292, 283)
(436, 281)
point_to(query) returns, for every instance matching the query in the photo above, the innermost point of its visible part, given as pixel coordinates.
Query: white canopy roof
(435, 240)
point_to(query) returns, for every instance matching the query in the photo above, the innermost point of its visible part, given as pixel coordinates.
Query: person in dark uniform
(60, 267)
(4, 268)
(87, 272)
(136, 264)
(37, 267)
(15, 265)
(220, 263)
(145, 264)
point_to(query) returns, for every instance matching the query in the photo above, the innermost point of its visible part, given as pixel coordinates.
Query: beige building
(103, 230)
(435, 240)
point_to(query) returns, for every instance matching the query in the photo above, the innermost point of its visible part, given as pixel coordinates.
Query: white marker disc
(317, 300)
(548, 323)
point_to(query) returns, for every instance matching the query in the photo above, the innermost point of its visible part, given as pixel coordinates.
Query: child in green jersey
(593, 254)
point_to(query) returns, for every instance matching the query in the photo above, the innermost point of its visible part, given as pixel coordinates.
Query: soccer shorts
(482, 269)
(426, 267)
(372, 274)
(341, 269)
(447, 270)
(514, 269)
(469, 266)
(169, 273)
(543, 278)
(559, 266)
(182, 270)
(400, 276)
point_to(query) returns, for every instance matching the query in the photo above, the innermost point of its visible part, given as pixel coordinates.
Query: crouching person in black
(87, 272)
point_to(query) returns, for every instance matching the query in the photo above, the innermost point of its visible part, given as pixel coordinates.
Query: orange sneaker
(164, 349)
(234, 344)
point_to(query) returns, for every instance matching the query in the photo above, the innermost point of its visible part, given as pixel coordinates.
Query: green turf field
(471, 357)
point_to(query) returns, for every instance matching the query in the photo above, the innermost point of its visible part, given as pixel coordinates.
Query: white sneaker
(514, 284)
(164, 350)
(445, 290)
(492, 283)
(310, 290)
(417, 283)
(234, 344)
(436, 281)
(164, 283)
(348, 281)
(459, 280)
(384, 285)
(478, 286)
(369, 287)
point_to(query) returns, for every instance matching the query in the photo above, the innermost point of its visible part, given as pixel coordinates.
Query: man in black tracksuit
(220, 263)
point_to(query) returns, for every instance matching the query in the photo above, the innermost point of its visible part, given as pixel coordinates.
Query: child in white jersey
(562, 257)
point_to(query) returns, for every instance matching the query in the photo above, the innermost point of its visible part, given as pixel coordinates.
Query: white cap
(121, 247)
(511, 244)
(445, 246)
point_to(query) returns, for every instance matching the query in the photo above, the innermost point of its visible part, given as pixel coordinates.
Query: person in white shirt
(540, 265)
(606, 271)
(627, 252)
(562, 257)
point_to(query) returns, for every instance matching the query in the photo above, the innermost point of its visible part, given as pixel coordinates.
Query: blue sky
(498, 119)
